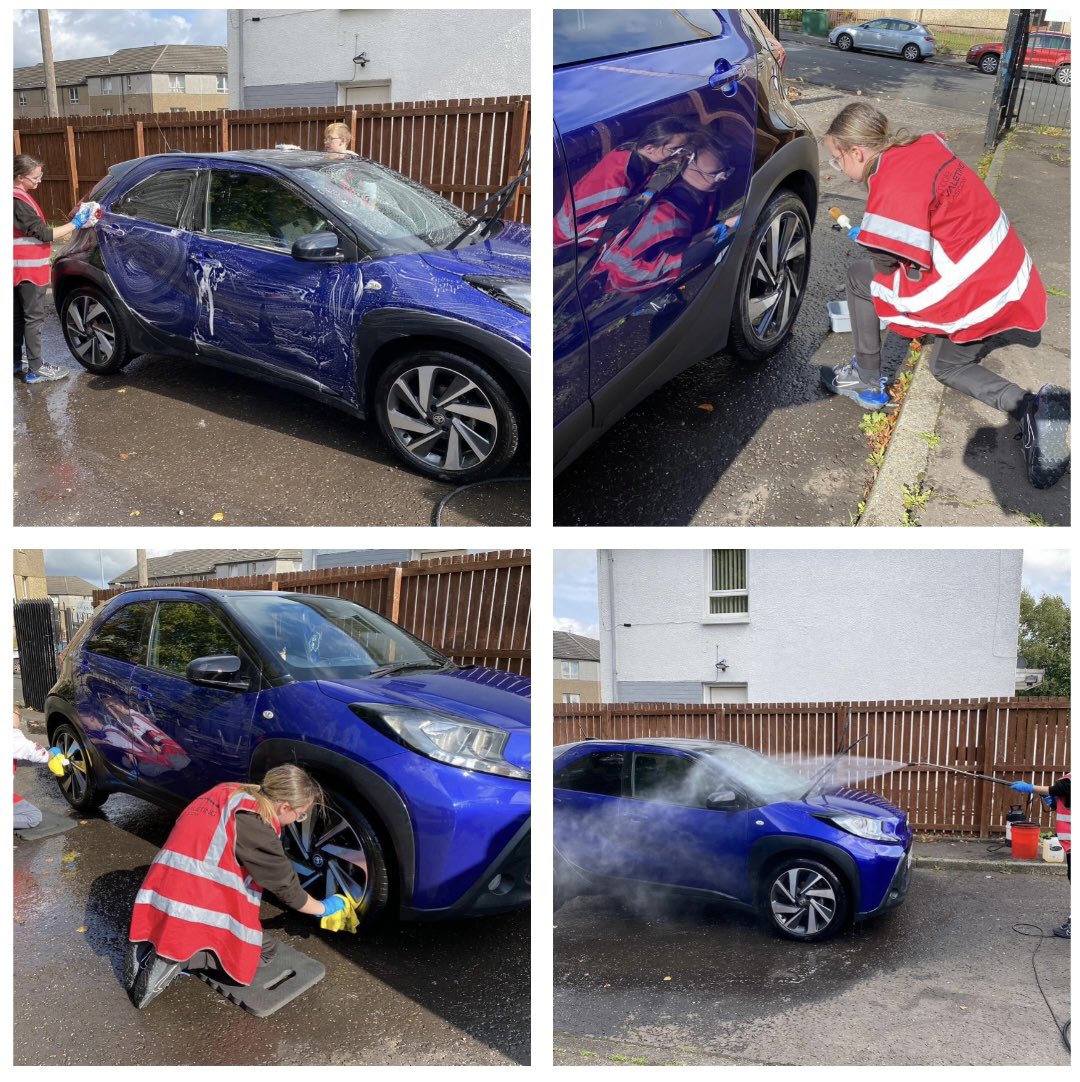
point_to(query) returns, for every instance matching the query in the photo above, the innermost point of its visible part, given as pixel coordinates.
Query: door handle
(112, 230)
(724, 78)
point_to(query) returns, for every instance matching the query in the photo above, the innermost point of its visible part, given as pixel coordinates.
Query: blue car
(167, 692)
(329, 275)
(684, 191)
(718, 820)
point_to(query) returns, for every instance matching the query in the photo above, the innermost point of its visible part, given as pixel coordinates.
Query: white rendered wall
(424, 53)
(822, 625)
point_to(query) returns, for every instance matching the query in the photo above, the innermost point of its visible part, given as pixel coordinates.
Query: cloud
(1047, 571)
(89, 563)
(576, 627)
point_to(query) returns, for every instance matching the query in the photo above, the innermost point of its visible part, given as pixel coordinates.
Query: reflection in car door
(635, 279)
(254, 300)
(143, 238)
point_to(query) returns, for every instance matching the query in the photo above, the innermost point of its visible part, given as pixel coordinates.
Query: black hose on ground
(1040, 935)
(436, 518)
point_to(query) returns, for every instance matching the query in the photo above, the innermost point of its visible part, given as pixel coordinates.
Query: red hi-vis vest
(31, 255)
(974, 276)
(1063, 823)
(597, 194)
(196, 896)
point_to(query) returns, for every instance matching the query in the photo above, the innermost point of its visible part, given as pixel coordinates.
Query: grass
(1054, 291)
(932, 439)
(916, 496)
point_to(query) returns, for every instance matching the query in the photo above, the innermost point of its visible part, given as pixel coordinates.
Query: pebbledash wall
(280, 58)
(821, 626)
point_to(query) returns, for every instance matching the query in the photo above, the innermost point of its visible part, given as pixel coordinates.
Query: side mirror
(723, 800)
(220, 671)
(320, 247)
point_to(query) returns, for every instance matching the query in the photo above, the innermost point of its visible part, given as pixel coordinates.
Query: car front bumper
(897, 888)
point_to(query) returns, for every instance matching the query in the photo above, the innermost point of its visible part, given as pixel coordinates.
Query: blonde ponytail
(862, 124)
(285, 784)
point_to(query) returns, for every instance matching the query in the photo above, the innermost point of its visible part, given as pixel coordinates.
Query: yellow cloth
(57, 764)
(344, 920)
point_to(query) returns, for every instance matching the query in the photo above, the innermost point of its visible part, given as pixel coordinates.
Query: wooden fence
(474, 608)
(1015, 739)
(462, 148)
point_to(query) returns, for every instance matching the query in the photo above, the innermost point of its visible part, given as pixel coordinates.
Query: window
(160, 199)
(175, 110)
(672, 779)
(254, 209)
(727, 591)
(599, 772)
(178, 84)
(106, 112)
(128, 80)
(571, 698)
(121, 634)
(570, 670)
(183, 631)
(222, 84)
(73, 95)
(22, 97)
(106, 84)
(589, 35)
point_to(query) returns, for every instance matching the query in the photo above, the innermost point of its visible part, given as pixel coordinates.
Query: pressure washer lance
(966, 773)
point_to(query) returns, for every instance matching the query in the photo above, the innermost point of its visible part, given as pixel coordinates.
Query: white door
(376, 94)
(725, 693)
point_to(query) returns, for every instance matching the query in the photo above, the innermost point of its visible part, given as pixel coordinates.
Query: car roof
(279, 159)
(221, 595)
(683, 743)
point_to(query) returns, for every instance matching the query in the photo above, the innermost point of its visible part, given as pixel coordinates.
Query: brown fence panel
(475, 609)
(463, 149)
(1008, 738)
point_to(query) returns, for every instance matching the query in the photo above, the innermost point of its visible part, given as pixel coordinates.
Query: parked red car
(1046, 54)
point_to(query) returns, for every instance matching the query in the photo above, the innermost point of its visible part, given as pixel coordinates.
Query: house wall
(424, 54)
(822, 625)
(587, 684)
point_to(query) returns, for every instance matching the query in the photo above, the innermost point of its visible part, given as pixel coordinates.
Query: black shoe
(1065, 931)
(153, 974)
(1044, 428)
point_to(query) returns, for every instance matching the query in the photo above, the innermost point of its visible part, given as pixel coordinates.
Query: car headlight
(863, 826)
(513, 292)
(443, 737)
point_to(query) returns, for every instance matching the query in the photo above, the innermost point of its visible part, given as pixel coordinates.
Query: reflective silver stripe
(198, 915)
(952, 275)
(217, 844)
(607, 196)
(889, 227)
(30, 240)
(1014, 291)
(209, 871)
(31, 263)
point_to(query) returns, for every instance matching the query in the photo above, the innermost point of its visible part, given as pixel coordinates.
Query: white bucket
(840, 319)
(1052, 851)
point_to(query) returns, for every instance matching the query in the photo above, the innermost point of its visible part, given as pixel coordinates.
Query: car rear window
(600, 773)
(120, 637)
(597, 33)
(160, 199)
(184, 631)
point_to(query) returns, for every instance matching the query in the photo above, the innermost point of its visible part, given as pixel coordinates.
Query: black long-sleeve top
(259, 851)
(31, 224)
(1062, 790)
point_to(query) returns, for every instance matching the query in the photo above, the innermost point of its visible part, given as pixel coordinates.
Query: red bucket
(1025, 841)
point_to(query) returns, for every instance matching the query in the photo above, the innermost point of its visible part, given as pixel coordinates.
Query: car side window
(596, 33)
(600, 773)
(671, 779)
(160, 199)
(183, 631)
(878, 24)
(120, 637)
(250, 208)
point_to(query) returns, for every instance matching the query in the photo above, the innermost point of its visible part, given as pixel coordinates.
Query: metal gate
(35, 634)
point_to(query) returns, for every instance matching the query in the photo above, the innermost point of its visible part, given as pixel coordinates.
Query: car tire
(79, 785)
(771, 288)
(845, 43)
(93, 331)
(1063, 75)
(912, 53)
(989, 64)
(339, 851)
(446, 416)
(805, 900)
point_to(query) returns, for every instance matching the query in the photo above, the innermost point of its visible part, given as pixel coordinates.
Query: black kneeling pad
(287, 975)
(50, 824)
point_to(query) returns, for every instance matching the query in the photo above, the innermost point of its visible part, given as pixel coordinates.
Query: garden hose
(436, 518)
(1063, 1029)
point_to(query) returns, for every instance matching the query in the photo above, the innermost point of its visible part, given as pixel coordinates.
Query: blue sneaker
(46, 374)
(845, 379)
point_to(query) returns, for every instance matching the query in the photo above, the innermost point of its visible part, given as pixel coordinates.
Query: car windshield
(320, 638)
(762, 779)
(401, 214)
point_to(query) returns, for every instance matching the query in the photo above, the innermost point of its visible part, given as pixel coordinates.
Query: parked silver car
(912, 41)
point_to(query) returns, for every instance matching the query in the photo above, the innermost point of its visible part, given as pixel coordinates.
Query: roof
(287, 159)
(576, 647)
(69, 584)
(181, 59)
(201, 562)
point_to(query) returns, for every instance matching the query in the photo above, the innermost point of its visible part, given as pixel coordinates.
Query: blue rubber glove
(332, 905)
(57, 761)
(82, 216)
(1022, 787)
(717, 233)
(1048, 801)
(854, 232)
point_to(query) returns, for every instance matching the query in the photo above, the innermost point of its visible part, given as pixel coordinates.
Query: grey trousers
(26, 815)
(954, 364)
(29, 319)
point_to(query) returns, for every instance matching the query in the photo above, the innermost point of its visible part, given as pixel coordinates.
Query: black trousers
(29, 319)
(954, 364)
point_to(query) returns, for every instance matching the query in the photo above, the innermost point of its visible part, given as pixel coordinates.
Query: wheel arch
(767, 853)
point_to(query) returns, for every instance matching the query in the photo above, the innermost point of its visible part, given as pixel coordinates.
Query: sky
(84, 33)
(1045, 572)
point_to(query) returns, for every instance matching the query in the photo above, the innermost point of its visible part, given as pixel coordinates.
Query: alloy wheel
(90, 331)
(844, 42)
(989, 64)
(74, 780)
(329, 856)
(802, 901)
(442, 418)
(1063, 76)
(778, 277)
(911, 53)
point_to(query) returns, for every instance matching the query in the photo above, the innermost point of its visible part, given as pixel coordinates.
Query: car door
(681, 841)
(143, 237)
(192, 737)
(619, 77)
(102, 680)
(874, 35)
(254, 301)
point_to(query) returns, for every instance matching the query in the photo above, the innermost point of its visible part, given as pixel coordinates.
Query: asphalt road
(171, 442)
(941, 980)
(453, 993)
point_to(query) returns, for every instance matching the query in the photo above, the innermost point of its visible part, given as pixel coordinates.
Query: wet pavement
(943, 979)
(420, 994)
(179, 443)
